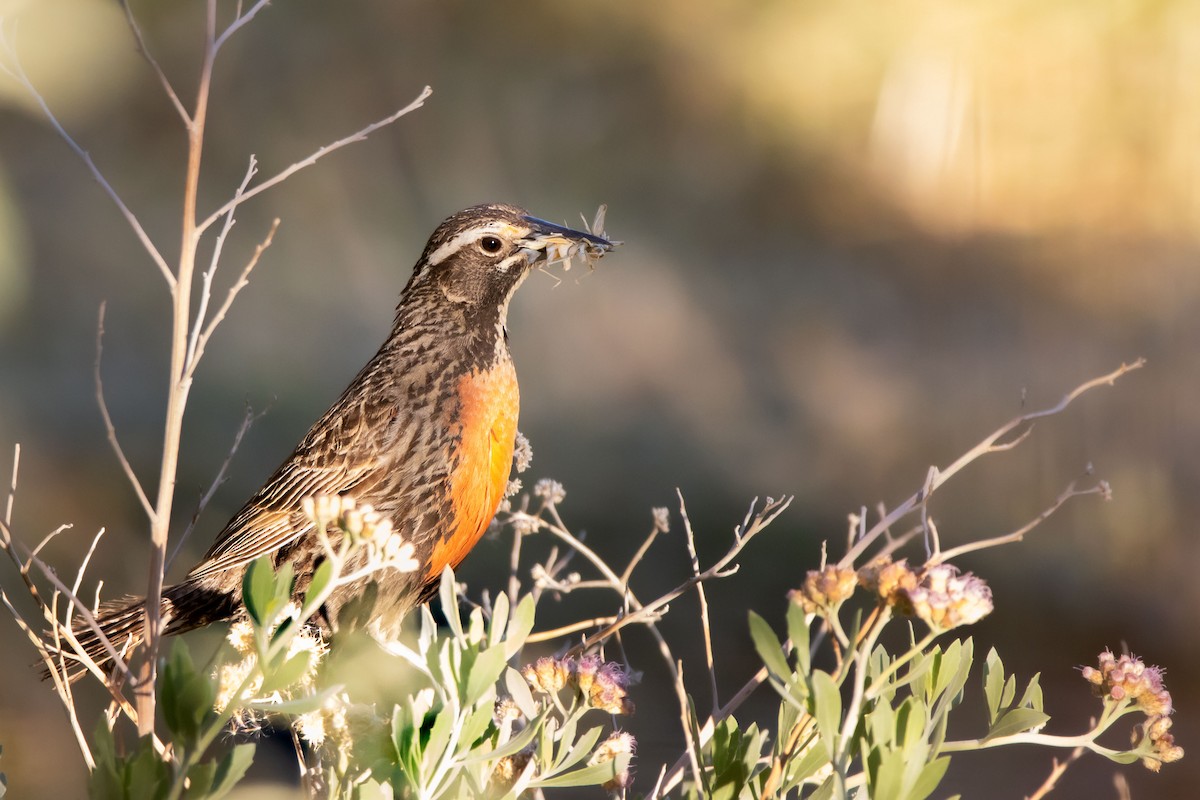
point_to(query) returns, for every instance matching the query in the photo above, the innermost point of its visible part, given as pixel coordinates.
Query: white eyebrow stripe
(467, 237)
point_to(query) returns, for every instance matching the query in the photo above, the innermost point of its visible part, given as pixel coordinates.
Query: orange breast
(488, 420)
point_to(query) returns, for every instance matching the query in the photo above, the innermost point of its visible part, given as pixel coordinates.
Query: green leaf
(199, 780)
(518, 690)
(104, 782)
(827, 709)
(484, 673)
(186, 696)
(807, 765)
(1126, 757)
(514, 745)
(826, 790)
(146, 775)
(1010, 691)
(297, 705)
(103, 748)
(231, 769)
(287, 673)
(769, 649)
(960, 655)
(579, 750)
(449, 597)
(322, 576)
(929, 779)
(993, 684)
(797, 628)
(586, 776)
(565, 734)
(520, 626)
(439, 739)
(888, 783)
(476, 724)
(258, 589)
(499, 620)
(1032, 698)
(1017, 720)
(881, 725)
(911, 721)
(545, 742)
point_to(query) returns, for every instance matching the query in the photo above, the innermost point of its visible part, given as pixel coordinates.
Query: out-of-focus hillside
(859, 236)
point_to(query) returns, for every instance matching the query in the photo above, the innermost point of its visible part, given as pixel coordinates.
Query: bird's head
(479, 256)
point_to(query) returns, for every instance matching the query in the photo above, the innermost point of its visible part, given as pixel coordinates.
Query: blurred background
(859, 237)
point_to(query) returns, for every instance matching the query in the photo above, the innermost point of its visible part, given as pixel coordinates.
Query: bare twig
(14, 69)
(238, 22)
(640, 554)
(312, 159)
(1056, 771)
(574, 627)
(705, 626)
(1019, 534)
(993, 443)
(219, 314)
(248, 419)
(723, 567)
(676, 772)
(168, 89)
(111, 429)
(213, 263)
(12, 485)
(693, 751)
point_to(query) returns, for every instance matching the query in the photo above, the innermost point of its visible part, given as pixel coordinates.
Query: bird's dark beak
(556, 243)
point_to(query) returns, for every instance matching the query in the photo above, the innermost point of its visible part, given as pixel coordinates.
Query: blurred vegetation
(859, 236)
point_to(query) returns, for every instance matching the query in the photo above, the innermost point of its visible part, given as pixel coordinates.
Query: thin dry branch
(239, 21)
(574, 627)
(219, 315)
(213, 262)
(723, 567)
(705, 626)
(1101, 489)
(693, 750)
(168, 89)
(675, 774)
(312, 159)
(993, 443)
(14, 69)
(248, 419)
(1057, 769)
(111, 429)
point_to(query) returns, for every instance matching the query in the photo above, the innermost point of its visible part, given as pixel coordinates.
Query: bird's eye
(490, 244)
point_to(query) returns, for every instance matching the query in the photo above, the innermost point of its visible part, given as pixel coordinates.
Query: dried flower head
(547, 675)
(618, 744)
(891, 580)
(507, 770)
(662, 519)
(1128, 678)
(506, 710)
(549, 490)
(946, 599)
(241, 637)
(524, 524)
(1157, 732)
(825, 589)
(609, 690)
(522, 453)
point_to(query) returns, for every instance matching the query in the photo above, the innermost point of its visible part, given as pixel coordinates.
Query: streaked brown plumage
(424, 433)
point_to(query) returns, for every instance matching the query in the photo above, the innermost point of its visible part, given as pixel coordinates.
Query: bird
(424, 434)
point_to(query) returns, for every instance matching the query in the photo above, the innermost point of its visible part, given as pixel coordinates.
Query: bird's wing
(345, 451)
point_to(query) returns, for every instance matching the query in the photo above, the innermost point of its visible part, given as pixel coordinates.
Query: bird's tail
(121, 622)
(185, 606)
